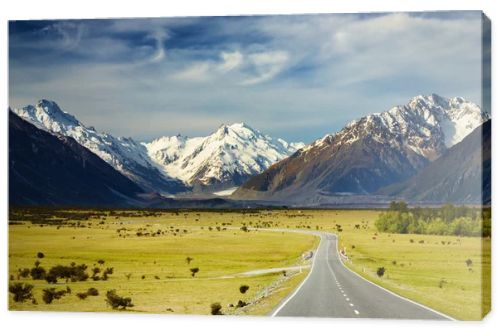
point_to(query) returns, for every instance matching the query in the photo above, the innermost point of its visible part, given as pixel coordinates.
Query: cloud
(159, 37)
(230, 61)
(326, 69)
(207, 70)
(266, 65)
(198, 72)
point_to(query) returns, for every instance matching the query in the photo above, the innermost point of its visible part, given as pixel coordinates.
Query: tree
(40, 255)
(116, 301)
(189, 259)
(194, 271)
(468, 262)
(380, 271)
(244, 288)
(215, 309)
(21, 291)
(398, 206)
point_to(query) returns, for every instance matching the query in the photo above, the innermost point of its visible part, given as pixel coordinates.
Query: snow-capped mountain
(372, 152)
(223, 159)
(124, 154)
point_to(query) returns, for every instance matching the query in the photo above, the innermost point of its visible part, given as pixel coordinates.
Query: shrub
(38, 273)
(380, 271)
(21, 291)
(241, 303)
(189, 259)
(24, 273)
(40, 255)
(116, 301)
(468, 262)
(244, 288)
(82, 295)
(75, 273)
(50, 278)
(194, 271)
(50, 294)
(93, 292)
(215, 309)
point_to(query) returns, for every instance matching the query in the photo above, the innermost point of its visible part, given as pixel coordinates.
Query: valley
(148, 250)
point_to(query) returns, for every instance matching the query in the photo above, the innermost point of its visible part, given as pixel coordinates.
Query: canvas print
(330, 165)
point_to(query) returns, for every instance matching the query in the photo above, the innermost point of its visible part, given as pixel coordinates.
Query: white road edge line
(303, 282)
(392, 293)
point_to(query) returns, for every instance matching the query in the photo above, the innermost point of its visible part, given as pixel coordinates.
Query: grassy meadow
(152, 270)
(148, 251)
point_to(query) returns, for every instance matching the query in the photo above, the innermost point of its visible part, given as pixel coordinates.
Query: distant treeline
(446, 220)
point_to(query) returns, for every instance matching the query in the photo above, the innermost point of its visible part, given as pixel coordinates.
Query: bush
(189, 259)
(82, 295)
(468, 262)
(21, 291)
(50, 278)
(75, 273)
(244, 288)
(24, 273)
(194, 271)
(380, 271)
(215, 309)
(93, 292)
(40, 255)
(241, 303)
(116, 301)
(38, 273)
(50, 294)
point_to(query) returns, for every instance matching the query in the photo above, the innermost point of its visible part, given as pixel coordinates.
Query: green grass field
(167, 286)
(430, 270)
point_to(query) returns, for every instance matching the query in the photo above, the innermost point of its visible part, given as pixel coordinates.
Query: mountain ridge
(124, 154)
(371, 152)
(226, 158)
(59, 171)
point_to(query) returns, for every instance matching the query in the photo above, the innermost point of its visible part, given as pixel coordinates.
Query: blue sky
(297, 77)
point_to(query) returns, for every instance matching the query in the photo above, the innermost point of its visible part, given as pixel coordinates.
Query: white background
(33, 322)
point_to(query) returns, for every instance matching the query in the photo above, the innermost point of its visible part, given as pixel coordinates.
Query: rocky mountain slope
(370, 153)
(461, 175)
(49, 169)
(124, 154)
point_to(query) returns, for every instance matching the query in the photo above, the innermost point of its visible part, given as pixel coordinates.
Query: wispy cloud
(266, 66)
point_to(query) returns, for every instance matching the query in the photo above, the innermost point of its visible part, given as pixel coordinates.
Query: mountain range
(370, 153)
(170, 165)
(393, 154)
(226, 158)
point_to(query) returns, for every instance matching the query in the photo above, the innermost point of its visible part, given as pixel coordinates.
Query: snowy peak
(225, 158)
(427, 125)
(47, 115)
(124, 154)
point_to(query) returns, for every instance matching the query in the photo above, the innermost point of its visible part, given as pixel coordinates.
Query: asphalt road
(333, 290)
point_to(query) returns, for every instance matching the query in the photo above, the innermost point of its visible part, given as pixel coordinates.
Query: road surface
(332, 290)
